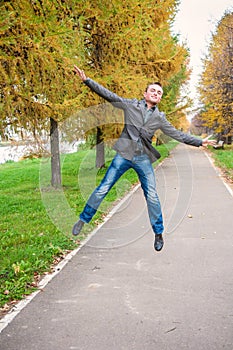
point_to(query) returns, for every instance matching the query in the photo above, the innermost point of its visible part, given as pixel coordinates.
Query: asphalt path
(118, 293)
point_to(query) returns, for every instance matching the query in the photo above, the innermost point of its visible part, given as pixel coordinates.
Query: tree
(37, 45)
(197, 126)
(217, 80)
(128, 45)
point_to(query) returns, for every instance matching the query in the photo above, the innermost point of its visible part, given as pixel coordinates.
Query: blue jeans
(143, 167)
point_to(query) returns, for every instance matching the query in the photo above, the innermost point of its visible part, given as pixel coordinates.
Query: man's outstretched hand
(80, 73)
(206, 142)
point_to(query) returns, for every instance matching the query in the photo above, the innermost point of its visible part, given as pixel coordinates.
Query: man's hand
(80, 73)
(206, 142)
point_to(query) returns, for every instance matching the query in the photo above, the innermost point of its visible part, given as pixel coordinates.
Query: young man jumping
(134, 150)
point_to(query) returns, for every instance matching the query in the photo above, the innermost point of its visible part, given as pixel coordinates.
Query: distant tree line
(216, 83)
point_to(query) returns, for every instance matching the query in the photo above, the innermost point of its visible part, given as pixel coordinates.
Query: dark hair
(156, 83)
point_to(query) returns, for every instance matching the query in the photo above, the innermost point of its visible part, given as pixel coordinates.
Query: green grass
(36, 219)
(224, 159)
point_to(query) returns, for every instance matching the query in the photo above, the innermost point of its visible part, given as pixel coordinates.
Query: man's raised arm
(100, 90)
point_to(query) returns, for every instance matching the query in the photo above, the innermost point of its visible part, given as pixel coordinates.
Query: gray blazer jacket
(134, 126)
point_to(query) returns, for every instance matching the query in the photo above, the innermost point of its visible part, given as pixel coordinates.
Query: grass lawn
(224, 159)
(36, 219)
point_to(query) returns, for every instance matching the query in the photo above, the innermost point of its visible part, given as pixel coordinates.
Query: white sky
(194, 22)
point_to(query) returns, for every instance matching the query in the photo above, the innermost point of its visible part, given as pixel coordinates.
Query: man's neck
(150, 105)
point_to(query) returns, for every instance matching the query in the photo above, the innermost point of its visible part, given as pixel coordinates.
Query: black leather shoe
(158, 244)
(77, 227)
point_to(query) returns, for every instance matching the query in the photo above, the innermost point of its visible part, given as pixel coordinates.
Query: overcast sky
(194, 22)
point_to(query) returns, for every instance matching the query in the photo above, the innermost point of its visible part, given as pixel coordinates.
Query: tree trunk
(100, 159)
(55, 154)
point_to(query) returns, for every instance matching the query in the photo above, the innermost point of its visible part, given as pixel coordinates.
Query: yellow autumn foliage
(217, 80)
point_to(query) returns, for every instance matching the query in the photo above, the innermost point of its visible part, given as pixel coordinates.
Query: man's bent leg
(117, 168)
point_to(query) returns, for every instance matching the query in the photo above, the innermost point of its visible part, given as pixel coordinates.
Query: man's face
(153, 94)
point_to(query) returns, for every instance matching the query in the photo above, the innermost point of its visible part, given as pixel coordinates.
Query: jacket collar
(143, 106)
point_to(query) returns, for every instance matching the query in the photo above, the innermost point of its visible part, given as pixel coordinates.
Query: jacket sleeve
(168, 129)
(107, 94)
